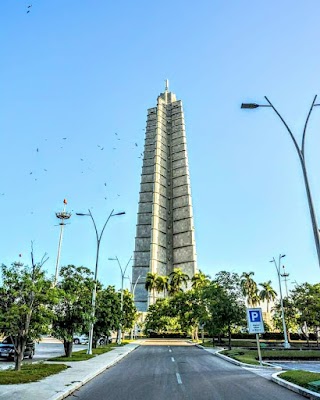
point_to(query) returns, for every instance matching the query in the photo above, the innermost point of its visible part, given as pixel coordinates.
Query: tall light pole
(62, 216)
(285, 276)
(123, 271)
(286, 343)
(133, 289)
(94, 291)
(301, 155)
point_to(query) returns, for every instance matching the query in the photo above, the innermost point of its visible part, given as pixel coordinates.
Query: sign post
(255, 325)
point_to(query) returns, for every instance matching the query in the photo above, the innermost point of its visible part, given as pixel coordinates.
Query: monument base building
(165, 232)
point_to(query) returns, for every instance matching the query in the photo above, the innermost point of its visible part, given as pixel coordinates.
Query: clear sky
(85, 70)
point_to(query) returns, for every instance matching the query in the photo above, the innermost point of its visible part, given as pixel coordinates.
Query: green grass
(30, 373)
(82, 354)
(301, 378)
(251, 356)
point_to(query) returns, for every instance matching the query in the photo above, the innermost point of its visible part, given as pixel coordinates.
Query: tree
(306, 300)
(26, 300)
(151, 284)
(107, 315)
(162, 284)
(200, 280)
(177, 279)
(129, 314)
(249, 288)
(74, 310)
(267, 294)
(225, 310)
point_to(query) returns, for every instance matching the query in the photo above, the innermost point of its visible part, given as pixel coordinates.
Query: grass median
(251, 356)
(30, 373)
(82, 354)
(301, 378)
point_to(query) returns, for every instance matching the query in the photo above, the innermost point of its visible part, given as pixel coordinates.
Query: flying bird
(45, 169)
(37, 150)
(81, 159)
(30, 173)
(64, 138)
(102, 148)
(116, 134)
(28, 11)
(136, 144)
(30, 6)
(105, 184)
(114, 148)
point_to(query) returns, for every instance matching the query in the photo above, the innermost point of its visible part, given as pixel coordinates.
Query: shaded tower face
(165, 232)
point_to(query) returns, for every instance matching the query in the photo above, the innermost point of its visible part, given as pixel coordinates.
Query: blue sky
(85, 70)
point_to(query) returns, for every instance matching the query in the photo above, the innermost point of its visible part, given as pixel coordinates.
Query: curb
(294, 388)
(78, 384)
(239, 363)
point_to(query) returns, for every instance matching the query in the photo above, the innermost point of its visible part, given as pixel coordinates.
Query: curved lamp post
(123, 271)
(286, 343)
(301, 154)
(94, 291)
(133, 289)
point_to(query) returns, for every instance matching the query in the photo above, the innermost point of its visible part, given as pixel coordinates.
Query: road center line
(178, 378)
(172, 359)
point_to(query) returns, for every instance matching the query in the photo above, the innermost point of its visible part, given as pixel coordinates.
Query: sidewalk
(59, 386)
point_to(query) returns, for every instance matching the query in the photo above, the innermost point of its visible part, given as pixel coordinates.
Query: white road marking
(178, 378)
(170, 350)
(172, 359)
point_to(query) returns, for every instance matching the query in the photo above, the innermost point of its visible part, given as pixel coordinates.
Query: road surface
(160, 370)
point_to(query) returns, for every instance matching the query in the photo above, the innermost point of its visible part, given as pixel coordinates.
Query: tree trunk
(20, 345)
(68, 348)
(229, 337)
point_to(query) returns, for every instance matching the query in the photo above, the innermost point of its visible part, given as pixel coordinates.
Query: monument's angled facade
(165, 231)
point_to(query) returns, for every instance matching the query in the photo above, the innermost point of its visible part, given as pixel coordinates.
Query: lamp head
(249, 105)
(119, 213)
(82, 214)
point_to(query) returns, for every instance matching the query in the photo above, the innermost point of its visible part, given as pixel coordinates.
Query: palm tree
(177, 279)
(200, 280)
(267, 293)
(151, 284)
(162, 284)
(249, 288)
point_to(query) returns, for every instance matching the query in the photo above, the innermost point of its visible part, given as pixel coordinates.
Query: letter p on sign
(254, 316)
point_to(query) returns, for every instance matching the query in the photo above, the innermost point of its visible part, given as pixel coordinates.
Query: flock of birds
(37, 173)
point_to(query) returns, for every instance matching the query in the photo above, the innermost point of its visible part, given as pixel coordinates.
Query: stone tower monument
(165, 232)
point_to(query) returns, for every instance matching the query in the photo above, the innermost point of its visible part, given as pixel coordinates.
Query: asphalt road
(168, 372)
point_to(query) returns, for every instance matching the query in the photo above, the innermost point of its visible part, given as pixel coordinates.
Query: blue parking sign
(255, 321)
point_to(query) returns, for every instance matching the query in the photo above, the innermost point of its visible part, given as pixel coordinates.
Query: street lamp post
(301, 154)
(94, 291)
(62, 216)
(286, 343)
(123, 271)
(133, 289)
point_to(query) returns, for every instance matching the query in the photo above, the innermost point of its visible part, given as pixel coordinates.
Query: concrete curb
(294, 388)
(239, 363)
(90, 376)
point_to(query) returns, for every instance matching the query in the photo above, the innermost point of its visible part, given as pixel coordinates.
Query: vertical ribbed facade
(165, 231)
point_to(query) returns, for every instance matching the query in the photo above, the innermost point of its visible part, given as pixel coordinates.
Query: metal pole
(286, 343)
(301, 155)
(94, 291)
(258, 347)
(58, 256)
